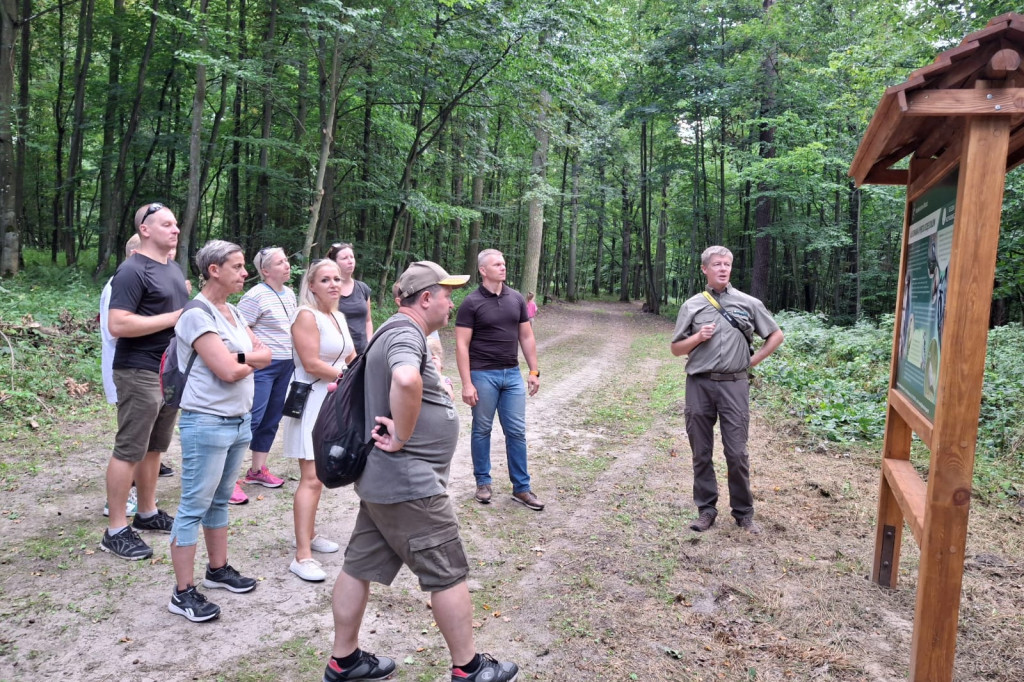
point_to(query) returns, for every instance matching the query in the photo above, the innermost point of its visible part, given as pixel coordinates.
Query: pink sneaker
(264, 478)
(238, 497)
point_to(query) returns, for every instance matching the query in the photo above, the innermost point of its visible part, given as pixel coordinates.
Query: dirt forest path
(607, 583)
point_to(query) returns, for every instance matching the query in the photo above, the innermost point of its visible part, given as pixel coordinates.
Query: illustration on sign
(929, 243)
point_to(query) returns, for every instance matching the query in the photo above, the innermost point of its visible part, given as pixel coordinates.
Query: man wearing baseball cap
(405, 514)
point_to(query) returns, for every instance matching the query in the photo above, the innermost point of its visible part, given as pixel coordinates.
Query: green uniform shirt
(727, 350)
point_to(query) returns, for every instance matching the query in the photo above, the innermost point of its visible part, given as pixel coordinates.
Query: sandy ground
(607, 583)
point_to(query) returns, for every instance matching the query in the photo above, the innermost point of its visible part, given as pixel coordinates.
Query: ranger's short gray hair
(713, 251)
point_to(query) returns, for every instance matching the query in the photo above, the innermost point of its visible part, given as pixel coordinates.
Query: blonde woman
(322, 347)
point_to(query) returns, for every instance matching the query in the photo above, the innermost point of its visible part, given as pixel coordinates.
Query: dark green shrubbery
(835, 380)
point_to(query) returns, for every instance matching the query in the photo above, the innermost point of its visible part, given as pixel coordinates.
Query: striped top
(269, 315)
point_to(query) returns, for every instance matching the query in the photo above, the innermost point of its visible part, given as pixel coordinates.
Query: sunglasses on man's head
(153, 208)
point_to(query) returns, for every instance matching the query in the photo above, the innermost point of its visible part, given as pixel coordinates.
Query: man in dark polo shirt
(490, 327)
(715, 329)
(147, 294)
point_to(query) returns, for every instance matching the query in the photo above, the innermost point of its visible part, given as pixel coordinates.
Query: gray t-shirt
(204, 392)
(421, 468)
(727, 350)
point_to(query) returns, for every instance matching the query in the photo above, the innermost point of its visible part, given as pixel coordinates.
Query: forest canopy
(601, 145)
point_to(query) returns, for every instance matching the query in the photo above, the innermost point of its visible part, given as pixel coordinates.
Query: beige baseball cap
(422, 275)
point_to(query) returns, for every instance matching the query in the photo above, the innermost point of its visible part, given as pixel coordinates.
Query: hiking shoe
(748, 524)
(490, 670)
(310, 571)
(321, 544)
(165, 470)
(368, 667)
(193, 605)
(703, 522)
(126, 544)
(229, 579)
(238, 497)
(483, 494)
(264, 478)
(161, 522)
(528, 499)
(130, 508)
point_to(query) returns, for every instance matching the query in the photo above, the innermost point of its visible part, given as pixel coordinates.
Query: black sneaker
(229, 579)
(368, 667)
(193, 605)
(490, 670)
(161, 522)
(165, 470)
(126, 544)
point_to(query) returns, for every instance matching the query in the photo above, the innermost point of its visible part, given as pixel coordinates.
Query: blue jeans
(212, 449)
(502, 390)
(268, 399)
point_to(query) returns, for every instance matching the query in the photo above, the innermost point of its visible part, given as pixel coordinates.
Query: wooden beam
(909, 490)
(887, 176)
(970, 277)
(1002, 64)
(987, 102)
(915, 420)
(945, 163)
(881, 128)
(939, 137)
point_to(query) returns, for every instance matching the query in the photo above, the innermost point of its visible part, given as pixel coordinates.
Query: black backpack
(172, 379)
(340, 443)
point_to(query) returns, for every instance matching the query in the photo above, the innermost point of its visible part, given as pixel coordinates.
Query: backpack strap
(732, 320)
(194, 303)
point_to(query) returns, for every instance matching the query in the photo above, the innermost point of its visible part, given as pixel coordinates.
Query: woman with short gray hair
(214, 425)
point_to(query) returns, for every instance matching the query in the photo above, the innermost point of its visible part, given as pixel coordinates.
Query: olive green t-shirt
(420, 469)
(727, 350)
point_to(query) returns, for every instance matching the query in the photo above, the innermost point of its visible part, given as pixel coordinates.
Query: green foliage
(50, 353)
(833, 379)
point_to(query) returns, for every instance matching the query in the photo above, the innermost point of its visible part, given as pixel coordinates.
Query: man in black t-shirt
(491, 325)
(147, 295)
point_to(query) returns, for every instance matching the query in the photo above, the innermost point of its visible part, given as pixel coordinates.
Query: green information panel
(924, 294)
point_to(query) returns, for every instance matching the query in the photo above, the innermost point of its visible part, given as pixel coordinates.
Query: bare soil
(607, 583)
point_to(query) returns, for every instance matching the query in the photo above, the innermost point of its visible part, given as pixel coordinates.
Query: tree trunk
(364, 162)
(627, 238)
(195, 161)
(661, 254)
(458, 190)
(9, 229)
(108, 212)
(556, 266)
(574, 219)
(328, 107)
(535, 233)
(601, 201)
(233, 205)
(263, 182)
(763, 208)
(83, 59)
(473, 243)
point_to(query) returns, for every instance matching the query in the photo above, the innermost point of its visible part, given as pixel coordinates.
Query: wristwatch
(535, 373)
(241, 358)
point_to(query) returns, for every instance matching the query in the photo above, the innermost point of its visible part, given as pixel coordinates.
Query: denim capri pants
(212, 449)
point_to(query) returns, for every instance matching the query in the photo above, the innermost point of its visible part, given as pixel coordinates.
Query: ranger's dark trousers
(707, 399)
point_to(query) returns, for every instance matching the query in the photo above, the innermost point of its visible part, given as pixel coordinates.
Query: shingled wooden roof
(925, 115)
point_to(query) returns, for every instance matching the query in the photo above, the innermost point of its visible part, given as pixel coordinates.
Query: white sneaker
(322, 545)
(130, 508)
(309, 570)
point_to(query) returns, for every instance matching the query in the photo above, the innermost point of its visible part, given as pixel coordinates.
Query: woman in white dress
(322, 347)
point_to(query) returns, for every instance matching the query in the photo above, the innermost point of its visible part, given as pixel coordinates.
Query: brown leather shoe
(483, 494)
(748, 524)
(703, 522)
(528, 499)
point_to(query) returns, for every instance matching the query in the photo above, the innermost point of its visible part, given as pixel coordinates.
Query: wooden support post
(889, 532)
(972, 263)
